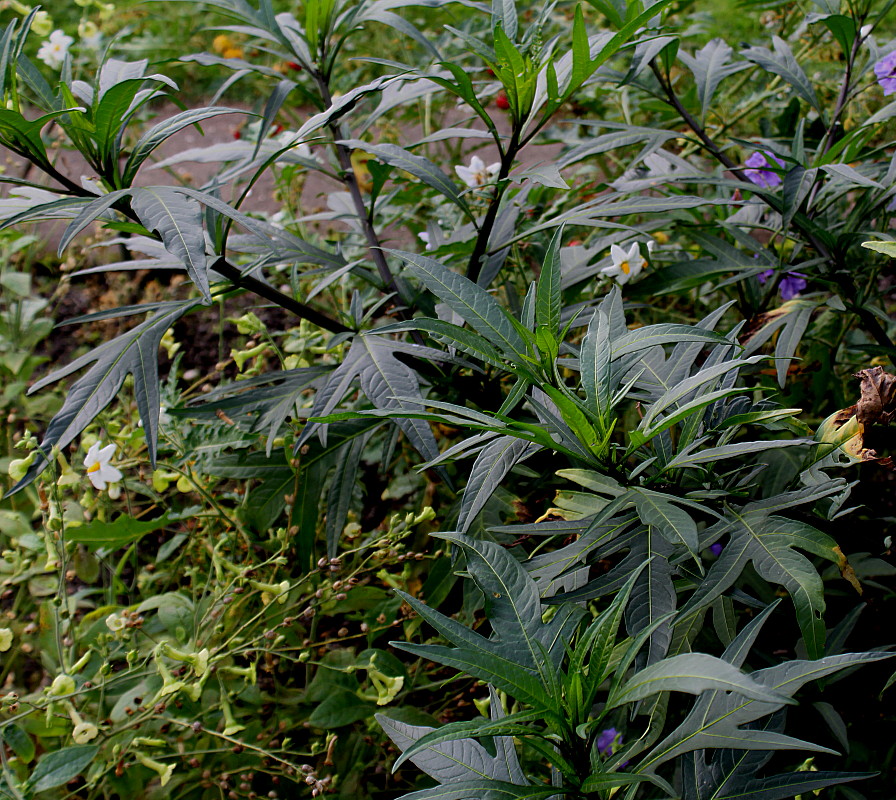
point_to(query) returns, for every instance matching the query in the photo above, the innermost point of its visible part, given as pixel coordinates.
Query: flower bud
(163, 771)
(270, 591)
(42, 24)
(18, 467)
(63, 684)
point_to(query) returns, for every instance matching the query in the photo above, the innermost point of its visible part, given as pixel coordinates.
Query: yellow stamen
(94, 467)
(625, 267)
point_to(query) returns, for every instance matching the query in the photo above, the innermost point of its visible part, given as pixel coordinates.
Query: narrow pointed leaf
(548, 297)
(510, 725)
(492, 464)
(693, 673)
(447, 762)
(476, 306)
(418, 166)
(134, 353)
(178, 220)
(161, 131)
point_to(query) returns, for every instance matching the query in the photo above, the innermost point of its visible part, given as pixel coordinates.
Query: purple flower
(791, 284)
(716, 549)
(763, 177)
(885, 70)
(607, 741)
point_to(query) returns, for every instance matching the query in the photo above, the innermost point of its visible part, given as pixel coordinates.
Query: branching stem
(343, 155)
(222, 266)
(474, 268)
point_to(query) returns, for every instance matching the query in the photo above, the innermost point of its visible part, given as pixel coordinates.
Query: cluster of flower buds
(318, 785)
(10, 702)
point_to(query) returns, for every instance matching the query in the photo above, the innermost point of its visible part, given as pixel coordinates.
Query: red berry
(293, 66)
(502, 102)
(237, 134)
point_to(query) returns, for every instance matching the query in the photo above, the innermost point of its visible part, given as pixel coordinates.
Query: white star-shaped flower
(99, 467)
(626, 265)
(477, 174)
(53, 51)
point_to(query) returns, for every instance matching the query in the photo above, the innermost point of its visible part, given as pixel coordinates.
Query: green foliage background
(423, 491)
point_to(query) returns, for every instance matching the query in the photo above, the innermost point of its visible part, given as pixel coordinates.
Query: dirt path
(217, 130)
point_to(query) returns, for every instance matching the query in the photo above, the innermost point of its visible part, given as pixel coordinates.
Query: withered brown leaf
(877, 403)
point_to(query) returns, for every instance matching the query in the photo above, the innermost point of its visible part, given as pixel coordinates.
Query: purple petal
(885, 71)
(605, 741)
(716, 549)
(756, 160)
(792, 285)
(763, 276)
(763, 177)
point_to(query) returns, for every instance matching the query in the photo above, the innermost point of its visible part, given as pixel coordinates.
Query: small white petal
(110, 474)
(617, 254)
(92, 454)
(105, 455)
(467, 176)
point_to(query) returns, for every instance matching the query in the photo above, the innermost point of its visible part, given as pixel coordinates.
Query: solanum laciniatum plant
(642, 277)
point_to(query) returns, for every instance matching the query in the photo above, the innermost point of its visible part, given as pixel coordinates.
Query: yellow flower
(115, 622)
(362, 175)
(221, 43)
(233, 52)
(83, 731)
